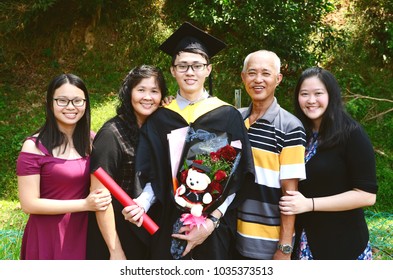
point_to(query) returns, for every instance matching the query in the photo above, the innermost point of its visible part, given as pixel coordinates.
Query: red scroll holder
(123, 197)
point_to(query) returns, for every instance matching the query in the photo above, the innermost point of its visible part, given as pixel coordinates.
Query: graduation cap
(187, 37)
(190, 37)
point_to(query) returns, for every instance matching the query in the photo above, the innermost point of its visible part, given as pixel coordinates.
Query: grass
(381, 234)
(13, 220)
(21, 112)
(102, 112)
(12, 223)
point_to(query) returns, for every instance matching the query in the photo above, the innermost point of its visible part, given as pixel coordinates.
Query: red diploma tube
(123, 197)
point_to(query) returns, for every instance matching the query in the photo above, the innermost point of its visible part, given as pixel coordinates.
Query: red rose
(215, 156)
(183, 176)
(228, 153)
(215, 189)
(220, 175)
(198, 161)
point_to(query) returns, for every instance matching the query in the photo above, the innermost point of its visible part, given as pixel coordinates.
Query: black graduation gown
(153, 165)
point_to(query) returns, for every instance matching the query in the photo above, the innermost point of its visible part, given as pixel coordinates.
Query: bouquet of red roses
(208, 164)
(216, 165)
(215, 160)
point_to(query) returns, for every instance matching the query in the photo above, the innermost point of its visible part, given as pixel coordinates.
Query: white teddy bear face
(196, 180)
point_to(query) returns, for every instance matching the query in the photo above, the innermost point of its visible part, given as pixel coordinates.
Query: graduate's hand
(98, 200)
(194, 236)
(134, 214)
(167, 100)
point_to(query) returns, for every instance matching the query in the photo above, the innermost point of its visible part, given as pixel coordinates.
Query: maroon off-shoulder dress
(56, 237)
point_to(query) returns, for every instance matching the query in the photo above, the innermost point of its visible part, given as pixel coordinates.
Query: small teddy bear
(193, 195)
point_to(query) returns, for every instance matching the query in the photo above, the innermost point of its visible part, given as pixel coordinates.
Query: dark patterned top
(114, 152)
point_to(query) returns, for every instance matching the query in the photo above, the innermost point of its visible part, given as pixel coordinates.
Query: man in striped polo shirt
(278, 143)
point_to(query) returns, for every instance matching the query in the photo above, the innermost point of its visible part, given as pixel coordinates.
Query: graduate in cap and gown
(204, 117)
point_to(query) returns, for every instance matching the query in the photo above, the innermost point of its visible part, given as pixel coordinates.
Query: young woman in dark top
(341, 175)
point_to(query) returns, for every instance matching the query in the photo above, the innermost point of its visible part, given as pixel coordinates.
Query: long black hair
(50, 135)
(133, 78)
(336, 123)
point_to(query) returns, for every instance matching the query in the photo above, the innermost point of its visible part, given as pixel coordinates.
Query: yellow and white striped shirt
(278, 146)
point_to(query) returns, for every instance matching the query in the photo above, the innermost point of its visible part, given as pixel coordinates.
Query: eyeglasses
(63, 102)
(196, 67)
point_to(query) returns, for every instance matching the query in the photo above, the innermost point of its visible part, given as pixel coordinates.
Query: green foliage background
(101, 40)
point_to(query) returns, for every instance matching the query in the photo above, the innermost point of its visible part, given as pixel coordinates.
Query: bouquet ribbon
(123, 197)
(192, 221)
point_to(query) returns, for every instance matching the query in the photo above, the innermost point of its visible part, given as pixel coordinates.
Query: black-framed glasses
(63, 102)
(196, 67)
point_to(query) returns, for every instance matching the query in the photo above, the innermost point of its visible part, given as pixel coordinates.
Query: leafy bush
(16, 15)
(374, 21)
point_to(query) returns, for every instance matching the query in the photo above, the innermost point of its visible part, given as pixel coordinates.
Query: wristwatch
(216, 221)
(285, 248)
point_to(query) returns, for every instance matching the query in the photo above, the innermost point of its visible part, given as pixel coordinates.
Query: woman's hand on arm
(296, 203)
(98, 200)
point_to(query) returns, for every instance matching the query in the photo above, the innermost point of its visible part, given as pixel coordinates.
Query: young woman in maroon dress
(53, 176)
